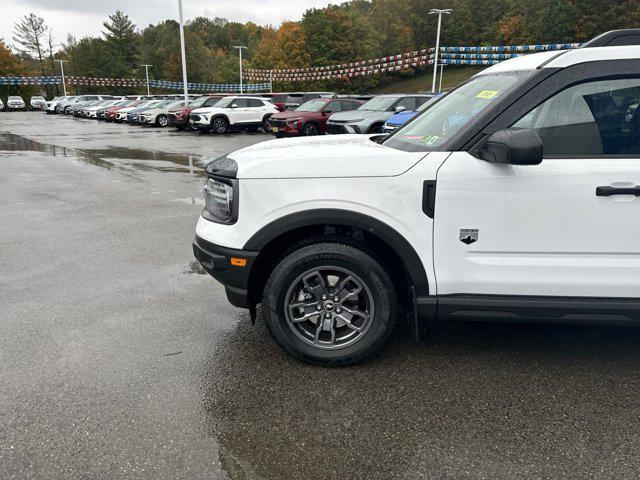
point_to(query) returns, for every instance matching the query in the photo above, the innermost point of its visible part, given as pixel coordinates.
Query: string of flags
(262, 79)
(480, 55)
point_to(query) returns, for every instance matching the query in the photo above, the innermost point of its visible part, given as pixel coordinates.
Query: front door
(567, 227)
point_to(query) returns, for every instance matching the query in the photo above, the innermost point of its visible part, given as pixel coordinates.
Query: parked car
(233, 112)
(159, 115)
(294, 100)
(68, 106)
(92, 111)
(400, 118)
(179, 116)
(310, 118)
(1, 105)
(15, 102)
(371, 117)
(512, 199)
(133, 116)
(101, 112)
(50, 106)
(121, 113)
(110, 115)
(279, 100)
(37, 102)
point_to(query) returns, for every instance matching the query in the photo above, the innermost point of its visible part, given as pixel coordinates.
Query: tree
(122, 45)
(30, 34)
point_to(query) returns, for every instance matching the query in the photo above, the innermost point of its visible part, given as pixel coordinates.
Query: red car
(179, 117)
(310, 118)
(110, 114)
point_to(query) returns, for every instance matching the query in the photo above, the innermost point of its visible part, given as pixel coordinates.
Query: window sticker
(487, 94)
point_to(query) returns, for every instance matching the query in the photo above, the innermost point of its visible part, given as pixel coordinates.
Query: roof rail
(615, 38)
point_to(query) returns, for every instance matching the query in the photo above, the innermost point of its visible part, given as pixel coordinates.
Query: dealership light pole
(240, 48)
(441, 75)
(184, 56)
(439, 12)
(146, 69)
(64, 87)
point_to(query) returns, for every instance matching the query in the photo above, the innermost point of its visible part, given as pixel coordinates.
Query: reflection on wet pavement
(476, 401)
(120, 158)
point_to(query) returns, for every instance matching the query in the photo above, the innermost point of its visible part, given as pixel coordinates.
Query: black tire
(266, 124)
(310, 129)
(162, 121)
(378, 128)
(380, 302)
(219, 125)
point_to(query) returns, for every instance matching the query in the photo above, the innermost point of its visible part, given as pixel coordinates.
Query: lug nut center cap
(329, 306)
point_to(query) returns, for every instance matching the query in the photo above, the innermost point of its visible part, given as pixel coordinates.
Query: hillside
(453, 75)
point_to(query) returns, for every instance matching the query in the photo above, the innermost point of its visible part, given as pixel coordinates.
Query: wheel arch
(375, 237)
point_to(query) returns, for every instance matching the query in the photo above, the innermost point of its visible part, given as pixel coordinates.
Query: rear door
(567, 227)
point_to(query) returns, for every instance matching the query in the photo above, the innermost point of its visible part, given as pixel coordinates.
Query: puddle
(119, 158)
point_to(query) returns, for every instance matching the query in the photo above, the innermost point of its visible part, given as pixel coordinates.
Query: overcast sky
(85, 17)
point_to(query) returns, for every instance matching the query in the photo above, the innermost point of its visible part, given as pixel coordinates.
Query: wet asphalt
(119, 360)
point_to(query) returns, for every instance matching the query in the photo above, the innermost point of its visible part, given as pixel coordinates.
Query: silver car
(372, 115)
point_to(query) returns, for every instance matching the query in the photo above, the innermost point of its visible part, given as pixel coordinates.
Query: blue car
(403, 117)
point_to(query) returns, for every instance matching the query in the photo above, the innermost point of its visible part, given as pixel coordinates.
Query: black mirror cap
(513, 146)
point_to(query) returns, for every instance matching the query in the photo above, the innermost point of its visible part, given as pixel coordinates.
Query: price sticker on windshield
(487, 94)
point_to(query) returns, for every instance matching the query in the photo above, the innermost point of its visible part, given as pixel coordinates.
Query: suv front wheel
(219, 125)
(330, 304)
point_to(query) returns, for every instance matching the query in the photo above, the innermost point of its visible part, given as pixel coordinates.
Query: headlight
(219, 200)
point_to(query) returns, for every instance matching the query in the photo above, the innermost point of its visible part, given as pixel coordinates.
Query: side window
(254, 102)
(211, 101)
(409, 103)
(421, 101)
(591, 119)
(333, 107)
(240, 102)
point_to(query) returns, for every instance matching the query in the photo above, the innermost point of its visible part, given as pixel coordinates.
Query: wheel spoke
(325, 325)
(314, 283)
(349, 293)
(354, 313)
(305, 317)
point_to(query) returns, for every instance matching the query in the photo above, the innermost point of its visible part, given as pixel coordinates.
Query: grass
(453, 75)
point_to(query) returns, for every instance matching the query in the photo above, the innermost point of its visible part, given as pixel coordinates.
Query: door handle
(609, 191)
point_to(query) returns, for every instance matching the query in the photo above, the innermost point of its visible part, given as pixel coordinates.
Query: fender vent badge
(468, 235)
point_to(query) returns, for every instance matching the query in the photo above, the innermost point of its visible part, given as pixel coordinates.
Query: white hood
(323, 157)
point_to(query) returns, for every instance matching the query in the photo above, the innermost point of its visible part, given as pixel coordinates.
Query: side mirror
(234, 106)
(400, 109)
(513, 146)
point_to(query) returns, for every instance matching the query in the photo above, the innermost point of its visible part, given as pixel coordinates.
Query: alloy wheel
(329, 307)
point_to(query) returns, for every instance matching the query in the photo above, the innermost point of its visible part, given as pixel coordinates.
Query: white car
(92, 111)
(37, 102)
(515, 197)
(1, 105)
(50, 106)
(15, 102)
(233, 112)
(159, 115)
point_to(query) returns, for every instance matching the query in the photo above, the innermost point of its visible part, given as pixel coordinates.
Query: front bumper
(342, 128)
(282, 128)
(178, 122)
(216, 261)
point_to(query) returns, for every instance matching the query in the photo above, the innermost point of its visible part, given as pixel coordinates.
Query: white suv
(515, 197)
(14, 102)
(233, 112)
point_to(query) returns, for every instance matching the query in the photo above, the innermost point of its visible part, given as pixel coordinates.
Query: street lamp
(439, 12)
(64, 87)
(146, 69)
(240, 47)
(184, 56)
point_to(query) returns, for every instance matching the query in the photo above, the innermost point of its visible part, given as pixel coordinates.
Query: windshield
(199, 102)
(311, 106)
(379, 104)
(436, 126)
(13, 97)
(225, 102)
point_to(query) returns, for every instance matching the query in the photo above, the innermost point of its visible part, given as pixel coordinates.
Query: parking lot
(119, 359)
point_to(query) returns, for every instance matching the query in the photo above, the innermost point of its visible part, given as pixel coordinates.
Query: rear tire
(349, 324)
